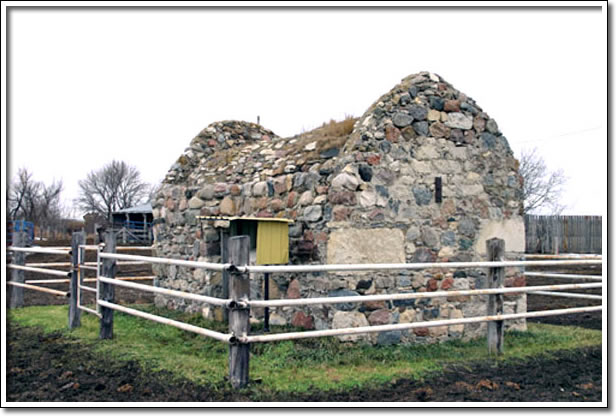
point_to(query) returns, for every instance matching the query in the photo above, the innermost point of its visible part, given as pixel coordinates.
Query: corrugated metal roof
(139, 209)
(221, 218)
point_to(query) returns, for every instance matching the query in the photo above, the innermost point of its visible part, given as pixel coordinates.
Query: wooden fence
(239, 303)
(563, 233)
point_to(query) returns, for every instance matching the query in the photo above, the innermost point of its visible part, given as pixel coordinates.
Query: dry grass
(338, 128)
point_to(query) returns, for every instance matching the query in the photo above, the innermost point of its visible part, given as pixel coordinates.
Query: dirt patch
(49, 367)
(123, 295)
(590, 320)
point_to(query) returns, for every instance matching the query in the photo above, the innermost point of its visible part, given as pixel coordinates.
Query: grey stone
(195, 203)
(313, 213)
(491, 126)
(345, 181)
(413, 233)
(350, 320)
(448, 238)
(401, 120)
(430, 237)
(259, 189)
(459, 121)
(365, 173)
(389, 338)
(405, 99)
(207, 192)
(468, 107)
(467, 227)
(329, 153)
(423, 196)
(421, 128)
(423, 255)
(418, 113)
(437, 103)
(348, 306)
(295, 230)
(488, 140)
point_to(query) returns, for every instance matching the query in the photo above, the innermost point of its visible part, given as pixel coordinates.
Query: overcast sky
(88, 86)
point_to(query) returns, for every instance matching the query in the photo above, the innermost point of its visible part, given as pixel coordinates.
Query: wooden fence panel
(563, 234)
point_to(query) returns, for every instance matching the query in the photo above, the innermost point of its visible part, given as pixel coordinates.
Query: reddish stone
(211, 142)
(220, 188)
(373, 159)
(320, 237)
(264, 214)
(198, 234)
(235, 190)
(170, 204)
(442, 86)
(322, 189)
(292, 214)
(308, 236)
(432, 285)
(479, 124)
(359, 157)
(302, 320)
(377, 215)
(392, 134)
(519, 281)
(421, 332)
(266, 138)
(447, 283)
(183, 204)
(459, 299)
(374, 305)
(438, 129)
(291, 199)
(379, 317)
(293, 290)
(342, 198)
(276, 205)
(280, 185)
(451, 105)
(340, 212)
(261, 203)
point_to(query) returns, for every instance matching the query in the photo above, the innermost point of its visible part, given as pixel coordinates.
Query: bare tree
(542, 188)
(34, 201)
(115, 186)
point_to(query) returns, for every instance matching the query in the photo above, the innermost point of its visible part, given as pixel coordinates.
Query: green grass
(318, 363)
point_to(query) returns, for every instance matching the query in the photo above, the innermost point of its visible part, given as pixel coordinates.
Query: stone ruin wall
(370, 201)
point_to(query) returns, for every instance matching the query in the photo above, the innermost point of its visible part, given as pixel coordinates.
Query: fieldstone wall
(369, 197)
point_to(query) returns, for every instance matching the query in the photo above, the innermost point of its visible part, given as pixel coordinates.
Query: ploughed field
(50, 367)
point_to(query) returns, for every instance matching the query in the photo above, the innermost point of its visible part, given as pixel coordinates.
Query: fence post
(19, 258)
(74, 314)
(495, 248)
(106, 290)
(239, 324)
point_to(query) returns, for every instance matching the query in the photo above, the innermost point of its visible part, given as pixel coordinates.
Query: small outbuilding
(423, 175)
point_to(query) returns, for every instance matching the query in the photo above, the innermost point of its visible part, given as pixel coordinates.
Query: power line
(561, 135)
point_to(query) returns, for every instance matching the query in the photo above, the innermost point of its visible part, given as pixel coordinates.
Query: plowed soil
(49, 367)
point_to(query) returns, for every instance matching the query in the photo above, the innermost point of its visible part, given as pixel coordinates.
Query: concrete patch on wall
(511, 230)
(377, 245)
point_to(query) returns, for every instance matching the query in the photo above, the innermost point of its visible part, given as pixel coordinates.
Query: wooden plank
(107, 291)
(495, 248)
(239, 324)
(18, 276)
(74, 313)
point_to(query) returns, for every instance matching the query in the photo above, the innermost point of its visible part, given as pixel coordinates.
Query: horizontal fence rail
(567, 295)
(157, 260)
(187, 327)
(564, 276)
(176, 293)
(39, 288)
(412, 325)
(414, 295)
(40, 250)
(38, 270)
(408, 266)
(567, 256)
(88, 279)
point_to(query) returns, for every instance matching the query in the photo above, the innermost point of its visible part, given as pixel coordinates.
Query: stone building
(423, 175)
